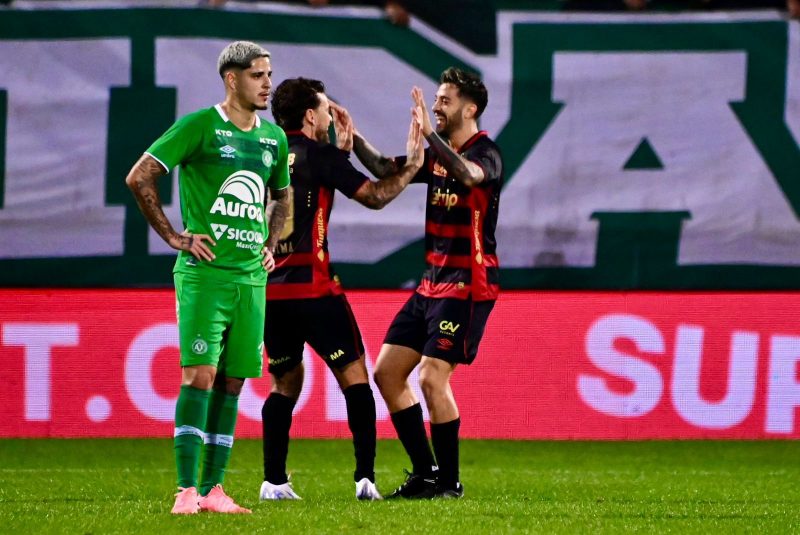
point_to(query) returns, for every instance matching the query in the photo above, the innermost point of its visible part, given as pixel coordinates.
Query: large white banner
(688, 119)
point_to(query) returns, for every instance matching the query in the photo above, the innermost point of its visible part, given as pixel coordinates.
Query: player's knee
(233, 386)
(200, 377)
(290, 383)
(431, 384)
(352, 374)
(383, 377)
(427, 385)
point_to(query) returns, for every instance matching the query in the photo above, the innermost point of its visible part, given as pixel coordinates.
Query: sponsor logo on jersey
(245, 239)
(237, 209)
(248, 188)
(444, 198)
(476, 230)
(439, 170)
(227, 151)
(218, 229)
(320, 229)
(284, 248)
(268, 141)
(223, 133)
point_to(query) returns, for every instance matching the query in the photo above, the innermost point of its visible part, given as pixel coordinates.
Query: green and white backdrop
(656, 151)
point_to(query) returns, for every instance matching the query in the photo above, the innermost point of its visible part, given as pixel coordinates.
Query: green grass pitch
(126, 486)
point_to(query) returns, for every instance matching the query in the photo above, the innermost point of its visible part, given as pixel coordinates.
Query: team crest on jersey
(266, 157)
(199, 346)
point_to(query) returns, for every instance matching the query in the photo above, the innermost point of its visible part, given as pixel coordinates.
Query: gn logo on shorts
(199, 346)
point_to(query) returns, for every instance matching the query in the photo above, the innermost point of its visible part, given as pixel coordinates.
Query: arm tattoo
(377, 164)
(379, 194)
(457, 167)
(142, 182)
(277, 211)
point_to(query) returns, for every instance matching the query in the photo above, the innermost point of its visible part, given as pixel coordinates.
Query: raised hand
(415, 153)
(343, 125)
(419, 103)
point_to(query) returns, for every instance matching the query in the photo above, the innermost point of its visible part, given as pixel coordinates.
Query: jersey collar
(471, 140)
(225, 118)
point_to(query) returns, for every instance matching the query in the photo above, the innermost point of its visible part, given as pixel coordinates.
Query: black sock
(410, 429)
(445, 444)
(361, 419)
(276, 419)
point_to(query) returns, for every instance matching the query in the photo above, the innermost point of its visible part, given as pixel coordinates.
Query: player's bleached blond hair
(239, 55)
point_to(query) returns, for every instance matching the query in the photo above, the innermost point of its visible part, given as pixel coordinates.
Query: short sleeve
(424, 174)
(487, 157)
(178, 143)
(339, 172)
(280, 173)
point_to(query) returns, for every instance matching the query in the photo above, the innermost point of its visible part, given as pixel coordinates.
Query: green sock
(190, 422)
(222, 410)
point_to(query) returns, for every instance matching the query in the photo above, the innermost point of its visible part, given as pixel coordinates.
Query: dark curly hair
(469, 86)
(292, 98)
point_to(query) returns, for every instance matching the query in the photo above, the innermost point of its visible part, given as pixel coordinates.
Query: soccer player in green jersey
(228, 157)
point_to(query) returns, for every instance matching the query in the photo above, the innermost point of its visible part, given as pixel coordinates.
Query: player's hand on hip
(268, 261)
(194, 244)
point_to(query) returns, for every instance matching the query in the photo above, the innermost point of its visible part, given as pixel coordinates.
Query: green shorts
(220, 324)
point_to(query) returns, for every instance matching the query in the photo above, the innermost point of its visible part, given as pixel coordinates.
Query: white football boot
(366, 490)
(277, 492)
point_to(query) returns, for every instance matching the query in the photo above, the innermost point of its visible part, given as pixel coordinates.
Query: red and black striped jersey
(460, 222)
(303, 268)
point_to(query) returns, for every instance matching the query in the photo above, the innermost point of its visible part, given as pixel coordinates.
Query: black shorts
(447, 329)
(326, 323)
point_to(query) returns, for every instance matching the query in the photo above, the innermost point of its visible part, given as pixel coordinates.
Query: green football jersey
(224, 173)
